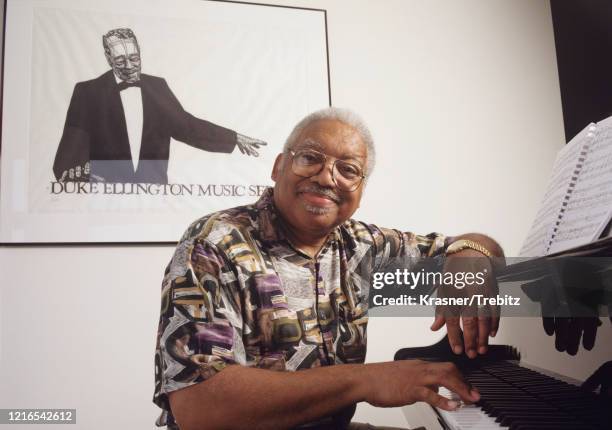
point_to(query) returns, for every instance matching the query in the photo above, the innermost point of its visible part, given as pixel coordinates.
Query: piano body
(530, 385)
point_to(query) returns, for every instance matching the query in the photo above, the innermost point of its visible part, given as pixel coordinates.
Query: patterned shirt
(237, 292)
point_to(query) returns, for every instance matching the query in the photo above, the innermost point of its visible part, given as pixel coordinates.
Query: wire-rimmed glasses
(346, 175)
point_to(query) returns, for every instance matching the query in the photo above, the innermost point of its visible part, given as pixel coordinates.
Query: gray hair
(339, 114)
(118, 33)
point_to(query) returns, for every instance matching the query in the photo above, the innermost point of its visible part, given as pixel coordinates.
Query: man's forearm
(249, 398)
(241, 397)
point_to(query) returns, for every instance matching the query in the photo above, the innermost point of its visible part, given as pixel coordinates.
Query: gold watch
(461, 244)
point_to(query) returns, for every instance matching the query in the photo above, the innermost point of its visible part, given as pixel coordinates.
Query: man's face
(124, 58)
(315, 204)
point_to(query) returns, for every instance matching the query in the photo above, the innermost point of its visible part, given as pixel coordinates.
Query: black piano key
(527, 425)
(501, 404)
(512, 418)
(500, 413)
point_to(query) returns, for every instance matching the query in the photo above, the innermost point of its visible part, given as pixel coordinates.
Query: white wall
(463, 100)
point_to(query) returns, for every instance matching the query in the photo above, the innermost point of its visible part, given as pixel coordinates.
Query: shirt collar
(269, 220)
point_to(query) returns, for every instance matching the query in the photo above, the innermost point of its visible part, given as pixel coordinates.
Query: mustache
(317, 189)
(132, 69)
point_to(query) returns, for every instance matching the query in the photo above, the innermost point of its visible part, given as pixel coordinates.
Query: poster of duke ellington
(123, 121)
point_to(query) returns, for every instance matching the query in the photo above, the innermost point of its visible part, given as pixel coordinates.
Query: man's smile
(317, 199)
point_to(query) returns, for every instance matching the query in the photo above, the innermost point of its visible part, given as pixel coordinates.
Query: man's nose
(325, 177)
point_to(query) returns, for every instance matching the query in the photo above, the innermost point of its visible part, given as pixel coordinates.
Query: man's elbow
(195, 408)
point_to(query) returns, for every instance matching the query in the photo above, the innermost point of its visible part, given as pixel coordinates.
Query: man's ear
(108, 59)
(278, 167)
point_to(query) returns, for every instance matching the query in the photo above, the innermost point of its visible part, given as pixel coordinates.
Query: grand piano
(519, 394)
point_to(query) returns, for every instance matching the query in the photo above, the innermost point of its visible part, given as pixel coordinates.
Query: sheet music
(588, 208)
(565, 165)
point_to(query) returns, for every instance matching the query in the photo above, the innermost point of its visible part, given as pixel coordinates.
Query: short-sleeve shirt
(237, 292)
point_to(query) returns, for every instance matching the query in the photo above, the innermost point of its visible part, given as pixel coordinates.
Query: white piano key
(468, 417)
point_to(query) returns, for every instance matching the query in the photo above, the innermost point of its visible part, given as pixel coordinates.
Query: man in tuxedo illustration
(119, 125)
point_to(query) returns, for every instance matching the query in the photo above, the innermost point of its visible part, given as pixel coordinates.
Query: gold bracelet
(461, 244)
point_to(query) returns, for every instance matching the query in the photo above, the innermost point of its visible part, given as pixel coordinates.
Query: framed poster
(125, 121)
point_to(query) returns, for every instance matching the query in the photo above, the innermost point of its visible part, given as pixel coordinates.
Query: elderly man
(255, 293)
(119, 125)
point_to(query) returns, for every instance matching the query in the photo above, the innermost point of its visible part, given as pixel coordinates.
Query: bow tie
(123, 85)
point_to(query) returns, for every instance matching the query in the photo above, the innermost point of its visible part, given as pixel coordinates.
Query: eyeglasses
(346, 175)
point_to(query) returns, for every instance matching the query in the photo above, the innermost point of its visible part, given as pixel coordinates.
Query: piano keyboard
(518, 398)
(512, 397)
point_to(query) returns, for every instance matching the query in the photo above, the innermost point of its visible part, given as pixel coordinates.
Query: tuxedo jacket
(96, 131)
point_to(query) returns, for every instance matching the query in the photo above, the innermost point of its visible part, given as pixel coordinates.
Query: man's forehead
(322, 134)
(122, 46)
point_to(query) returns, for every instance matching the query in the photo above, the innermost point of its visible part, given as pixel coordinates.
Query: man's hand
(479, 320)
(80, 174)
(248, 145)
(404, 382)
(76, 174)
